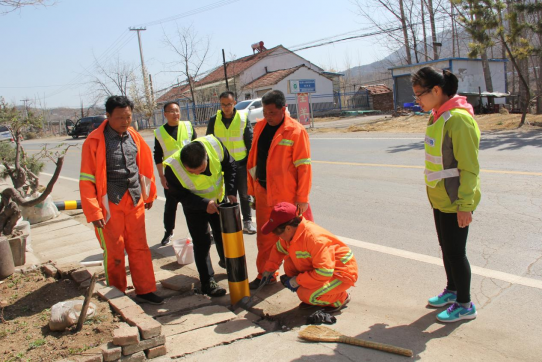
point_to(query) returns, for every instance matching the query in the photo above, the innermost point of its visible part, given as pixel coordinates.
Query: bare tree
(113, 78)
(8, 6)
(192, 51)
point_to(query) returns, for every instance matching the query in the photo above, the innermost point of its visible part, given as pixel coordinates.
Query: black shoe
(150, 298)
(222, 264)
(256, 283)
(212, 289)
(167, 239)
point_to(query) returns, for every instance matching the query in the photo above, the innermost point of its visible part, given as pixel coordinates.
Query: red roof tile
(234, 68)
(272, 78)
(174, 93)
(377, 88)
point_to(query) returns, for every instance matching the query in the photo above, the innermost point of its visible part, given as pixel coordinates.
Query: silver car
(252, 108)
(5, 134)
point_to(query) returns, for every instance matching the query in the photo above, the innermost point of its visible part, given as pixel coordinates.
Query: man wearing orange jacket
(318, 266)
(117, 185)
(279, 169)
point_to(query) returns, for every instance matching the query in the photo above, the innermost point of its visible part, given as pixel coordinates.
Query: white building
(468, 71)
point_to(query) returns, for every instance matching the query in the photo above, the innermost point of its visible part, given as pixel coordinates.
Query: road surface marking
(367, 138)
(488, 273)
(422, 167)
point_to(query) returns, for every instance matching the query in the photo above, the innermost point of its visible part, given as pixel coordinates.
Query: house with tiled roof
(240, 72)
(378, 97)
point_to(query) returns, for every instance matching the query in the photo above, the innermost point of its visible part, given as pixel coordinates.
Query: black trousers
(453, 241)
(241, 181)
(198, 225)
(170, 212)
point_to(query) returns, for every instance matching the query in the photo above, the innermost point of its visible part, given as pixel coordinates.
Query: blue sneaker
(444, 298)
(456, 313)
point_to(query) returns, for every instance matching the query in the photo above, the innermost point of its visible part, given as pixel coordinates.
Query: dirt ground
(417, 124)
(26, 301)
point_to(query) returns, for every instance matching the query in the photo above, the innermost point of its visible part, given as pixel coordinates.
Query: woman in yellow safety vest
(452, 181)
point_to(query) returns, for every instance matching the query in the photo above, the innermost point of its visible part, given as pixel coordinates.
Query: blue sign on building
(303, 86)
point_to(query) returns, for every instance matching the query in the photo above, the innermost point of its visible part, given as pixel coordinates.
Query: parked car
(5, 134)
(83, 126)
(252, 108)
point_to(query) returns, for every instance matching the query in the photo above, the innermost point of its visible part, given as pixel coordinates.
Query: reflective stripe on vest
(207, 187)
(169, 144)
(434, 137)
(232, 137)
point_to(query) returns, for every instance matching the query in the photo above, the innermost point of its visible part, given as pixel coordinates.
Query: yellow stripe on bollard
(71, 205)
(234, 251)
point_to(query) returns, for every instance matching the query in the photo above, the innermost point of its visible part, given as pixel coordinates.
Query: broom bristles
(319, 333)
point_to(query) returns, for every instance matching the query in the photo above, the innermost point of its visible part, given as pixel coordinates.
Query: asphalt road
(368, 188)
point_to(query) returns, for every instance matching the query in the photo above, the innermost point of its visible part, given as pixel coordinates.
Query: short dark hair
(193, 154)
(170, 103)
(226, 94)
(429, 77)
(117, 102)
(293, 223)
(275, 97)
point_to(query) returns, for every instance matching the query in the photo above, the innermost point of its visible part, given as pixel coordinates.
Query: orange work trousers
(266, 243)
(332, 292)
(125, 230)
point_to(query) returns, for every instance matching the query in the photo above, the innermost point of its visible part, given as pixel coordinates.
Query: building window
(247, 96)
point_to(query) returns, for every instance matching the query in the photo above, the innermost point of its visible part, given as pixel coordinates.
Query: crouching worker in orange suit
(319, 267)
(117, 185)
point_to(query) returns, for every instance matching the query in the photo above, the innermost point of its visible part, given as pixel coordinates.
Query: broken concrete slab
(177, 304)
(203, 338)
(181, 283)
(61, 252)
(61, 217)
(199, 318)
(87, 237)
(91, 255)
(65, 269)
(42, 228)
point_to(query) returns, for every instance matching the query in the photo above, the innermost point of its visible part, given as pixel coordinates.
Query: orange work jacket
(93, 176)
(289, 171)
(317, 254)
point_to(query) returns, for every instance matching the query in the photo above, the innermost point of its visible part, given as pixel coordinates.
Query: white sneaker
(248, 227)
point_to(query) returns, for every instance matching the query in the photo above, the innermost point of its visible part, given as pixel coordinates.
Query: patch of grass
(97, 319)
(37, 343)
(79, 350)
(499, 123)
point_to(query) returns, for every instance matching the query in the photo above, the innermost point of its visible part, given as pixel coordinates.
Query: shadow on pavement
(412, 336)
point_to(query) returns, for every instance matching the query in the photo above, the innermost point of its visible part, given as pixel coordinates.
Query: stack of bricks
(141, 337)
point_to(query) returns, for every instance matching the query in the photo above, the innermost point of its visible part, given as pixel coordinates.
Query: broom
(325, 334)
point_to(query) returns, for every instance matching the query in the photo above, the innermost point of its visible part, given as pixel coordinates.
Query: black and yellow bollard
(68, 205)
(234, 251)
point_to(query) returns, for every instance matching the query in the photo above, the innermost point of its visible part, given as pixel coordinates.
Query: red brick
(147, 326)
(110, 352)
(125, 335)
(81, 275)
(136, 357)
(156, 351)
(143, 345)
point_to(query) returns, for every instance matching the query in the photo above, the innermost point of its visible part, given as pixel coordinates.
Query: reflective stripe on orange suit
(325, 267)
(289, 178)
(125, 227)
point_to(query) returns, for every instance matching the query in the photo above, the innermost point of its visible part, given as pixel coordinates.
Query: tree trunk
(433, 28)
(487, 75)
(453, 28)
(405, 32)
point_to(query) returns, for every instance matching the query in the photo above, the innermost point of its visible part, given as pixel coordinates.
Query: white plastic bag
(41, 212)
(66, 314)
(184, 250)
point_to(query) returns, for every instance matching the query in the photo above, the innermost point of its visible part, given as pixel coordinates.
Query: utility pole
(143, 69)
(225, 71)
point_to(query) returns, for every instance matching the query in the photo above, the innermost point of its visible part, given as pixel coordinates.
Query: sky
(48, 52)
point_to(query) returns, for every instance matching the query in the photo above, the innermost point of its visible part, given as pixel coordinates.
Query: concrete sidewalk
(198, 328)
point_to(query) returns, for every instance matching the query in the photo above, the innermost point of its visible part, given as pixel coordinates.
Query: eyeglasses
(174, 112)
(226, 105)
(417, 96)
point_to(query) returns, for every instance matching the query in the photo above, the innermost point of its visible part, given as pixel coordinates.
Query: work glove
(266, 277)
(292, 284)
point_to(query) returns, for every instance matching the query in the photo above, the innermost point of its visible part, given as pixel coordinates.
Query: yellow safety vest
(171, 145)
(207, 187)
(232, 137)
(434, 168)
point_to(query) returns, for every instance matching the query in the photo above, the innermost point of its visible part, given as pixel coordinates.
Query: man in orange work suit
(318, 266)
(117, 185)
(279, 169)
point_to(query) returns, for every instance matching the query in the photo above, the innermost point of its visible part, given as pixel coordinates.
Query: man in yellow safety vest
(200, 176)
(235, 132)
(169, 138)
